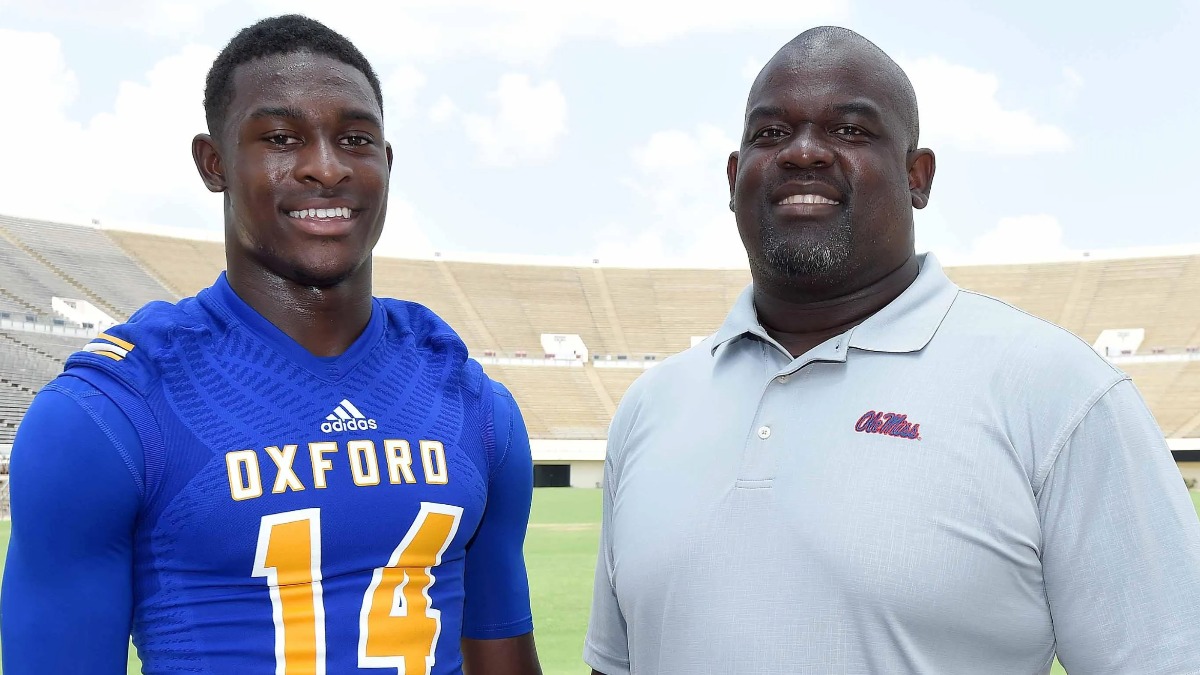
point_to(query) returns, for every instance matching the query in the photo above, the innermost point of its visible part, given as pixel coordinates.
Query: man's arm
(67, 596)
(1121, 545)
(607, 642)
(497, 621)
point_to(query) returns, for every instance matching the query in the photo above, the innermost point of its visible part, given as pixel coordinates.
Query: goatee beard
(814, 259)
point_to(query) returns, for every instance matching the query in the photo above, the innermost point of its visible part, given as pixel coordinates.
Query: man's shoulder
(419, 322)
(663, 381)
(131, 350)
(1029, 350)
(411, 323)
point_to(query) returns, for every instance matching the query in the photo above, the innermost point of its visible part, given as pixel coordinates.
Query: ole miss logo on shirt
(888, 424)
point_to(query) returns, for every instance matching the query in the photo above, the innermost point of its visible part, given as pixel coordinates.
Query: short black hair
(277, 35)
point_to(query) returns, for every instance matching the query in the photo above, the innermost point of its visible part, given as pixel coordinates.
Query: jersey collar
(325, 367)
(906, 324)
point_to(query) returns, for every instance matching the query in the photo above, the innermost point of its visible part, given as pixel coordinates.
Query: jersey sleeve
(606, 647)
(67, 597)
(1121, 545)
(497, 587)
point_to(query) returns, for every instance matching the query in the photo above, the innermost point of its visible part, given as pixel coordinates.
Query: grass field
(560, 551)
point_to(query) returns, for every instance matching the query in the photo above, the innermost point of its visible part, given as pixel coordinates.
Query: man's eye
(771, 132)
(849, 131)
(357, 141)
(280, 139)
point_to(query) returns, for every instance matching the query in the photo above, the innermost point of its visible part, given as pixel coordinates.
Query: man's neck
(799, 324)
(325, 321)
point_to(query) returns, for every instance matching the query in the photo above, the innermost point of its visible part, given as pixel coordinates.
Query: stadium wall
(1187, 456)
(584, 459)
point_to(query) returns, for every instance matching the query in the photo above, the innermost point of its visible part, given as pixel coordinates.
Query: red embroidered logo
(888, 424)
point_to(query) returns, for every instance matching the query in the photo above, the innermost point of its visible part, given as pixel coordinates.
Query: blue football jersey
(308, 515)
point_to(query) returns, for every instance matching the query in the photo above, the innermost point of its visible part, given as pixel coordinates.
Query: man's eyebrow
(863, 108)
(286, 112)
(764, 111)
(360, 115)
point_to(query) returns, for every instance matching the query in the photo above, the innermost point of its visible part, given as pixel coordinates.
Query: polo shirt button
(764, 432)
(782, 379)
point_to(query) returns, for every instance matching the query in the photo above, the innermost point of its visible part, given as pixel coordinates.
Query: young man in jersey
(283, 474)
(867, 469)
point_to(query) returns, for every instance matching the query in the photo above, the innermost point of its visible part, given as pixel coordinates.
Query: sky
(579, 131)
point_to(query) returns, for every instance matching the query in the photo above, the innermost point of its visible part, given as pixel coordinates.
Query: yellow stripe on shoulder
(127, 346)
(111, 355)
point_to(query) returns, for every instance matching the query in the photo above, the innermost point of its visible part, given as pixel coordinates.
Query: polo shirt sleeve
(1120, 545)
(606, 647)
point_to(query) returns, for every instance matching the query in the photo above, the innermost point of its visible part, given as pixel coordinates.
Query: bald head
(842, 47)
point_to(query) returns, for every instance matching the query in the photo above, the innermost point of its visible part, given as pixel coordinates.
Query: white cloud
(683, 197)
(1072, 83)
(128, 163)
(144, 143)
(751, 68)
(400, 89)
(524, 31)
(159, 18)
(404, 233)
(959, 108)
(130, 166)
(1015, 239)
(42, 145)
(443, 110)
(528, 122)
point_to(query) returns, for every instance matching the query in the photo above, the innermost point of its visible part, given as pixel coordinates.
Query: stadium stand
(1172, 390)
(622, 315)
(27, 362)
(428, 282)
(184, 266)
(1089, 296)
(557, 403)
(519, 303)
(27, 282)
(89, 261)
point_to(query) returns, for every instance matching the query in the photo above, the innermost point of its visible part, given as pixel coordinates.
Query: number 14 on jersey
(398, 625)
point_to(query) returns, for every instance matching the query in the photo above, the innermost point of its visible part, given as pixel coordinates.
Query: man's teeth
(806, 199)
(339, 212)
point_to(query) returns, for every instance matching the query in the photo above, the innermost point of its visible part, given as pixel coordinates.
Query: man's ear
(208, 162)
(921, 165)
(731, 167)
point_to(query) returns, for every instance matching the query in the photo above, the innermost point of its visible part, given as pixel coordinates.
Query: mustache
(809, 176)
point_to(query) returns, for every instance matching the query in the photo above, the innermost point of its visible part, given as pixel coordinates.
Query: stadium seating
(183, 265)
(1087, 297)
(558, 403)
(27, 362)
(89, 261)
(629, 313)
(27, 283)
(1172, 390)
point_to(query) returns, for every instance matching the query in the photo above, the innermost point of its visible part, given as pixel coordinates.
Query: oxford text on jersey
(361, 457)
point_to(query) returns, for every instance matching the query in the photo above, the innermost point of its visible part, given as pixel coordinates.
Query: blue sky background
(583, 130)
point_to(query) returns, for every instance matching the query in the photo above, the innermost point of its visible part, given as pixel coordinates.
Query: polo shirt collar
(906, 324)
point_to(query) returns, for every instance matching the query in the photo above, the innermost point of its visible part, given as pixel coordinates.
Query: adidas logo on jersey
(345, 417)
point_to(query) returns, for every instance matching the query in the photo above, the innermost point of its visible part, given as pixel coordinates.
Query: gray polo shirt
(953, 486)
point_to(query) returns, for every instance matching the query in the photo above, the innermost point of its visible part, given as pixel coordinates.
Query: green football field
(561, 554)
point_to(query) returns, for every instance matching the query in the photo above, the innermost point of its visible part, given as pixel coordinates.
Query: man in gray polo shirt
(868, 469)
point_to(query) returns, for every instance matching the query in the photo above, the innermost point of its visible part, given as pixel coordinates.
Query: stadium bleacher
(88, 260)
(26, 282)
(27, 361)
(622, 315)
